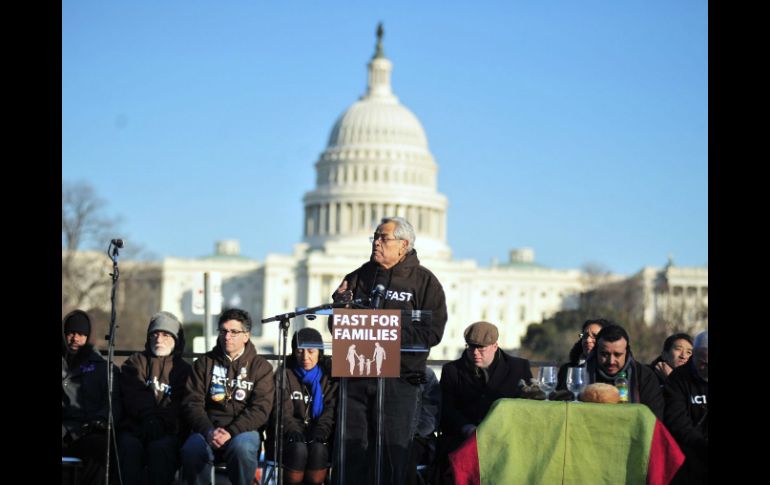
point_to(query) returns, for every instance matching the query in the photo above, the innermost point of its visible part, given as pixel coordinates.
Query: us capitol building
(377, 163)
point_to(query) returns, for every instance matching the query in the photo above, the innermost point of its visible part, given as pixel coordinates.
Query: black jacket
(686, 415)
(409, 286)
(686, 397)
(153, 387)
(84, 390)
(249, 381)
(297, 407)
(465, 399)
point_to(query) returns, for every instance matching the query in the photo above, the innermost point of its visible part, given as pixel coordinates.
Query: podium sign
(366, 343)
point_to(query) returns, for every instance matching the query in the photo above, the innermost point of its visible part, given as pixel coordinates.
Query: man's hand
(343, 294)
(217, 438)
(663, 367)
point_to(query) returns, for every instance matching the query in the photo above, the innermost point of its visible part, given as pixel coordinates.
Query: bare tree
(86, 233)
(84, 225)
(83, 222)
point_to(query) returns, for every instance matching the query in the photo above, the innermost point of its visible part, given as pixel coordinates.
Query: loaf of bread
(599, 392)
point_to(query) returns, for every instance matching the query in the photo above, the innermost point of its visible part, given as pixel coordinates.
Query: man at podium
(392, 279)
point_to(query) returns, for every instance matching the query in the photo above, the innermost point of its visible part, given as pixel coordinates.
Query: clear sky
(576, 128)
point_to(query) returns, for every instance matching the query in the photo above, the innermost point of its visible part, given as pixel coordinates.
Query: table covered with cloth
(561, 442)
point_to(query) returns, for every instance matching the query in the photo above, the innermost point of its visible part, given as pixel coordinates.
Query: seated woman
(677, 350)
(308, 412)
(581, 349)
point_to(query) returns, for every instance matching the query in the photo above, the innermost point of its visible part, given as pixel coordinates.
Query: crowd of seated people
(174, 420)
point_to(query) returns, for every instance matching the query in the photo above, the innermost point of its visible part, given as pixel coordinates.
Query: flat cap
(481, 333)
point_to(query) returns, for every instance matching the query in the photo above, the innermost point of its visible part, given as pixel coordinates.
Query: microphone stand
(283, 325)
(115, 244)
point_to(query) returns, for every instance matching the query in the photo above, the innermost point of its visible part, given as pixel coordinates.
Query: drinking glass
(547, 380)
(576, 380)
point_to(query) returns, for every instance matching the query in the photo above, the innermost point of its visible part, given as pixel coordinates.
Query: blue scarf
(312, 378)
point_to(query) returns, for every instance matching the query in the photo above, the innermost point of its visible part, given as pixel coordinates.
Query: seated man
(152, 383)
(611, 356)
(472, 383)
(84, 403)
(229, 397)
(686, 393)
(677, 350)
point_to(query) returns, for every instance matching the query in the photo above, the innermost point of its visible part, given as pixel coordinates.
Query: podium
(414, 317)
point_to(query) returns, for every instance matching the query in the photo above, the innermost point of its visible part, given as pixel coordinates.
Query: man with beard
(152, 383)
(229, 398)
(611, 356)
(85, 408)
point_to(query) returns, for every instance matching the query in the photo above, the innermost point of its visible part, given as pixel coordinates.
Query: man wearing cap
(229, 396)
(152, 383)
(470, 384)
(686, 393)
(85, 409)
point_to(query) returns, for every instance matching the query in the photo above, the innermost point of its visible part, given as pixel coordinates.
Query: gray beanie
(166, 322)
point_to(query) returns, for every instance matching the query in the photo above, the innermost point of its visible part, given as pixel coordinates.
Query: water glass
(547, 380)
(576, 380)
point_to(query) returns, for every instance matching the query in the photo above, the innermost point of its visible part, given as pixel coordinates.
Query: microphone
(117, 243)
(377, 295)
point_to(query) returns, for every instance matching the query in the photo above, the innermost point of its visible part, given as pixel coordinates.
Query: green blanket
(558, 442)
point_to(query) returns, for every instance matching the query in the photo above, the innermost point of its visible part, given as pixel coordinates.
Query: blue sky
(576, 128)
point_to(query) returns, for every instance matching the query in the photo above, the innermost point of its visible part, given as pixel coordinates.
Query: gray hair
(701, 341)
(404, 230)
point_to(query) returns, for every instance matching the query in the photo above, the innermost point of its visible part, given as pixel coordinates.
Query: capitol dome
(376, 164)
(378, 120)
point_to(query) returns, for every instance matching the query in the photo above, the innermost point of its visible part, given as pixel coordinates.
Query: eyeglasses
(480, 348)
(234, 333)
(588, 336)
(382, 237)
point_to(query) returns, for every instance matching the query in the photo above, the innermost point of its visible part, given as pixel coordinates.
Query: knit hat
(77, 321)
(309, 337)
(165, 322)
(481, 333)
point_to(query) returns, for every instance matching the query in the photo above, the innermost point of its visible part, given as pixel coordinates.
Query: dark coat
(297, 407)
(153, 387)
(408, 286)
(466, 400)
(84, 390)
(686, 418)
(248, 380)
(686, 396)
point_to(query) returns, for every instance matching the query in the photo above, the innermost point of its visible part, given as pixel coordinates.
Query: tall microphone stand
(112, 252)
(283, 325)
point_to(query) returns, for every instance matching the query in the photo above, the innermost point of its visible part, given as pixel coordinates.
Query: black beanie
(77, 321)
(308, 336)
